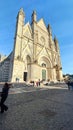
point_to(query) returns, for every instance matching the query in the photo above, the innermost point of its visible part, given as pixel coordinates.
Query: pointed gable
(27, 31)
(42, 24)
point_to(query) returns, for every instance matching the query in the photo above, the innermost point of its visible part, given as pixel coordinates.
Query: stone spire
(21, 11)
(34, 16)
(19, 33)
(56, 43)
(50, 36)
(49, 29)
(20, 22)
(21, 15)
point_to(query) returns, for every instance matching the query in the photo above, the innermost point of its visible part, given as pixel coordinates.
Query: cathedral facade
(35, 55)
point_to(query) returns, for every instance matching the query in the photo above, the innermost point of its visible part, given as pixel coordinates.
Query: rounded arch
(44, 60)
(46, 67)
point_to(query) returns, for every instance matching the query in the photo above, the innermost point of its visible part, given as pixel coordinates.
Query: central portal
(43, 74)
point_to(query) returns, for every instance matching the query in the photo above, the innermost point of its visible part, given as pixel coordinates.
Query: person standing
(39, 82)
(4, 95)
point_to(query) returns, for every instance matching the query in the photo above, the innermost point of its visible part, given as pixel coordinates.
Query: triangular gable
(38, 50)
(42, 24)
(26, 51)
(27, 30)
(41, 51)
(44, 52)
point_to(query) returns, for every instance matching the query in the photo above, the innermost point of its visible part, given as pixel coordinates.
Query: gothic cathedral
(35, 55)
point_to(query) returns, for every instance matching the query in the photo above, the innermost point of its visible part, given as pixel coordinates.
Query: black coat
(5, 91)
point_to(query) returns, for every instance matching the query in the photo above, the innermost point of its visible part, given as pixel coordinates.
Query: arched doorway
(45, 68)
(27, 72)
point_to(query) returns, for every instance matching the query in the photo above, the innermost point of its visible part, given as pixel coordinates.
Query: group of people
(4, 95)
(37, 83)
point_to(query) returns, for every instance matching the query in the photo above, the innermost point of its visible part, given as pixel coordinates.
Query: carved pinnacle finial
(49, 29)
(34, 16)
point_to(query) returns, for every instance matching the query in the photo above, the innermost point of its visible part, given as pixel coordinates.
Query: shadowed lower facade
(36, 55)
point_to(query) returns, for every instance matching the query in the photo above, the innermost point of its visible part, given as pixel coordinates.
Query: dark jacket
(5, 90)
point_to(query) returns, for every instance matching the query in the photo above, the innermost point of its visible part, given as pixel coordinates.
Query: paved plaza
(38, 108)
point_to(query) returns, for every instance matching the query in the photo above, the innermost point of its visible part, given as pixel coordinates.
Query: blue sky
(58, 13)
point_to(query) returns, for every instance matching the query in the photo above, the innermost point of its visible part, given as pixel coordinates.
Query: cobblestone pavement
(49, 108)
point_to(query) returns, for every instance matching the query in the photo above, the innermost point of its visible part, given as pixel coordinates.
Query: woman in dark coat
(4, 95)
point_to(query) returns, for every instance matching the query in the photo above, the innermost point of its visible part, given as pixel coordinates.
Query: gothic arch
(28, 63)
(28, 58)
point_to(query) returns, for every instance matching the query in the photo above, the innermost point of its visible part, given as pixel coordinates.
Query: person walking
(4, 95)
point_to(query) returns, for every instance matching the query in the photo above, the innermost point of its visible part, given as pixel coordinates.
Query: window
(43, 65)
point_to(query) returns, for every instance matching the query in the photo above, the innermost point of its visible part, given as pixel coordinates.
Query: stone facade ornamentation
(34, 55)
